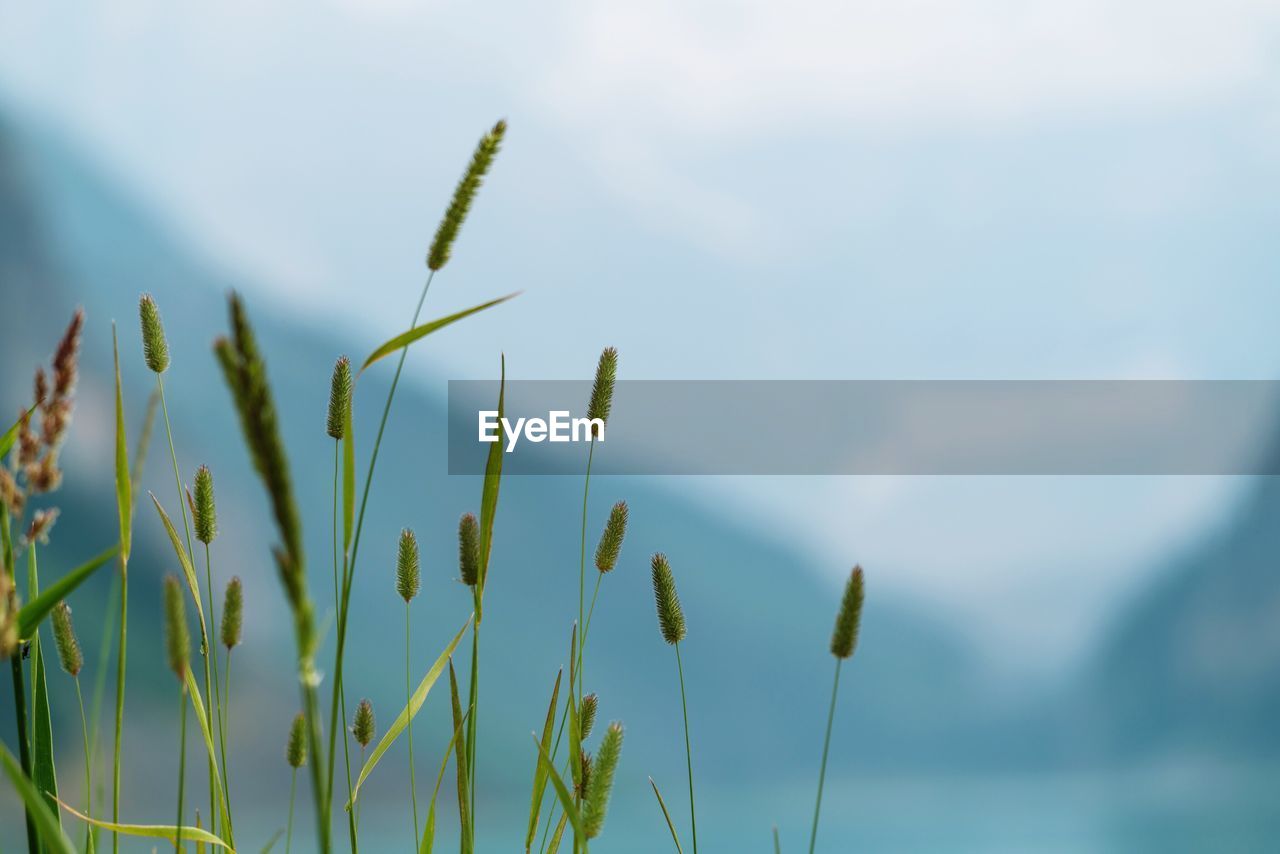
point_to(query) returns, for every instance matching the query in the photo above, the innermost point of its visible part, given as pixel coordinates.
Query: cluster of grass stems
(571, 782)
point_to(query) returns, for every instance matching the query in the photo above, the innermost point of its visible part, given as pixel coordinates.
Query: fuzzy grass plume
(469, 549)
(408, 574)
(339, 398)
(204, 512)
(611, 540)
(155, 347)
(177, 638)
(232, 613)
(64, 638)
(600, 783)
(463, 195)
(363, 725)
(670, 614)
(602, 389)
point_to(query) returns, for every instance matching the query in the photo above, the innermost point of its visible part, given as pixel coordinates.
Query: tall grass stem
(688, 752)
(826, 744)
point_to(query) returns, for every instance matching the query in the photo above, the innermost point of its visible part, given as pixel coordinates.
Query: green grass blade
(402, 720)
(31, 614)
(153, 831)
(566, 799)
(198, 703)
(188, 569)
(419, 332)
(10, 435)
(489, 496)
(558, 835)
(47, 826)
(271, 843)
(43, 772)
(777, 842)
(124, 482)
(460, 763)
(429, 832)
(670, 825)
(539, 775)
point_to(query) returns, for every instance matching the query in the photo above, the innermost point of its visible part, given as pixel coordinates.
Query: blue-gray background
(813, 190)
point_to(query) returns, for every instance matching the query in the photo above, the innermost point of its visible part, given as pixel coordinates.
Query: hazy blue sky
(925, 189)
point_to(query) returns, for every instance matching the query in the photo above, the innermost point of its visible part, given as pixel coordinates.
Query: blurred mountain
(1193, 665)
(756, 655)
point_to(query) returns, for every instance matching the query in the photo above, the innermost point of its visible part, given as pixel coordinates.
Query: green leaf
(153, 831)
(38, 608)
(429, 832)
(540, 776)
(43, 773)
(193, 691)
(555, 837)
(460, 763)
(402, 720)
(10, 435)
(271, 843)
(671, 826)
(188, 570)
(417, 332)
(124, 481)
(47, 825)
(566, 799)
(489, 497)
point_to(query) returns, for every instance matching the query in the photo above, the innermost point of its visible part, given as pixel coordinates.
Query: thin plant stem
(121, 666)
(288, 837)
(216, 709)
(100, 684)
(226, 727)
(182, 762)
(777, 842)
(472, 725)
(205, 652)
(350, 564)
(408, 696)
(19, 689)
(582, 564)
(688, 752)
(340, 691)
(88, 767)
(826, 744)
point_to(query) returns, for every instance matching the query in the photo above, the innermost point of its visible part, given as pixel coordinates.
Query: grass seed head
(8, 614)
(463, 195)
(41, 524)
(155, 348)
(845, 636)
(363, 726)
(602, 389)
(296, 751)
(469, 549)
(670, 615)
(177, 641)
(203, 508)
(339, 398)
(232, 613)
(587, 715)
(408, 571)
(611, 540)
(64, 638)
(601, 783)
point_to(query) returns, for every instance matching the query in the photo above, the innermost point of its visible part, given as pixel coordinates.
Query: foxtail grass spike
(463, 195)
(670, 615)
(363, 726)
(232, 613)
(205, 512)
(64, 638)
(587, 715)
(845, 636)
(602, 389)
(601, 783)
(339, 396)
(408, 573)
(469, 549)
(296, 752)
(611, 540)
(177, 640)
(155, 349)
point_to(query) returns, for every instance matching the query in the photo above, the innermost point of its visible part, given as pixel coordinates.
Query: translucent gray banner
(1085, 427)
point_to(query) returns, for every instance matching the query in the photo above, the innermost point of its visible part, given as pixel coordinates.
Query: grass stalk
(293, 788)
(473, 701)
(826, 744)
(408, 698)
(688, 752)
(350, 567)
(121, 667)
(214, 706)
(582, 565)
(182, 760)
(340, 691)
(88, 766)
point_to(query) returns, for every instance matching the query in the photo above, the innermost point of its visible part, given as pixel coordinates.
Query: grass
(578, 784)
